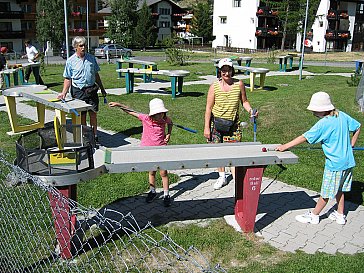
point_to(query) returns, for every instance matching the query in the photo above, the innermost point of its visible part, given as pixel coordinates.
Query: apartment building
(253, 24)
(18, 22)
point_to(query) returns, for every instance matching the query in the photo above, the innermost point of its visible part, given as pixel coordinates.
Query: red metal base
(64, 220)
(248, 181)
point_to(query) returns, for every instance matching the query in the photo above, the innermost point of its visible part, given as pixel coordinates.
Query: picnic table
(283, 61)
(176, 77)
(7, 76)
(237, 63)
(43, 97)
(132, 62)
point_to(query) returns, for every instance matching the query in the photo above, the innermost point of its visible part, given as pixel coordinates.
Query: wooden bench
(253, 72)
(132, 62)
(176, 77)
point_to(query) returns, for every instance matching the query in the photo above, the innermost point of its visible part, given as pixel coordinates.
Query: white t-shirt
(31, 53)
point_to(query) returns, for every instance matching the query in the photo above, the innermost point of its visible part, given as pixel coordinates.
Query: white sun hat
(156, 106)
(320, 102)
(225, 61)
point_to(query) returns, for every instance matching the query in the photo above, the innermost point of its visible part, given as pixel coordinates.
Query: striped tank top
(226, 103)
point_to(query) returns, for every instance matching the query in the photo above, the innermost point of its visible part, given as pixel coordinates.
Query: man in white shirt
(32, 55)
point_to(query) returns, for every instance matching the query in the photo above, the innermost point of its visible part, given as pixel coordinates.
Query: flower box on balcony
(81, 30)
(75, 13)
(260, 12)
(331, 15)
(274, 12)
(343, 35)
(258, 32)
(344, 15)
(330, 35)
(273, 32)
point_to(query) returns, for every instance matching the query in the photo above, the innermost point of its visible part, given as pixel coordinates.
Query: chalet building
(253, 24)
(167, 15)
(18, 22)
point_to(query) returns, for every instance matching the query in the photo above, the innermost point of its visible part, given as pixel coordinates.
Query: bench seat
(176, 77)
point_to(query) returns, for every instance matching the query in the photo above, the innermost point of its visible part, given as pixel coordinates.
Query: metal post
(87, 28)
(303, 41)
(66, 27)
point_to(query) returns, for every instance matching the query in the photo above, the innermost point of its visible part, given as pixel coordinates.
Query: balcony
(12, 34)
(267, 32)
(337, 14)
(11, 15)
(337, 35)
(266, 11)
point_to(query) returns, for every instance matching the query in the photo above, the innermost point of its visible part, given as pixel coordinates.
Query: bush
(175, 55)
(354, 79)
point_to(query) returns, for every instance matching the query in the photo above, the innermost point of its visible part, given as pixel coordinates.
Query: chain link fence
(42, 231)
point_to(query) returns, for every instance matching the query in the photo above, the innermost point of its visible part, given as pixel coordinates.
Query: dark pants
(35, 70)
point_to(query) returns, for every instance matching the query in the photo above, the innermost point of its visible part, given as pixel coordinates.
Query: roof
(149, 3)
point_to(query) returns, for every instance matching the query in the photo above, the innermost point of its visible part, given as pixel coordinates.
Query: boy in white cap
(333, 132)
(154, 134)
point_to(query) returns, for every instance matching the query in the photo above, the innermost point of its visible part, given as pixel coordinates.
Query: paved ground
(194, 200)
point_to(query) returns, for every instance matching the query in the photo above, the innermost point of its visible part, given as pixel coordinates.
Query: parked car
(113, 50)
(64, 52)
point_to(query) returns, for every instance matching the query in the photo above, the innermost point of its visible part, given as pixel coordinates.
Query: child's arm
(296, 141)
(169, 128)
(355, 137)
(124, 108)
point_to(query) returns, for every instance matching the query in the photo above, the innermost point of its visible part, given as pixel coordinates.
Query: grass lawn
(283, 116)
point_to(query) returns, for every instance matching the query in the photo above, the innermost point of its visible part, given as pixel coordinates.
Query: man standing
(3, 50)
(32, 55)
(82, 77)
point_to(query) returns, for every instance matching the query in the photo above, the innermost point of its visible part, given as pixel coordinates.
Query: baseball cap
(225, 61)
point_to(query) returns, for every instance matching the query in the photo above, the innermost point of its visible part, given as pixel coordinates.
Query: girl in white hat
(154, 134)
(333, 132)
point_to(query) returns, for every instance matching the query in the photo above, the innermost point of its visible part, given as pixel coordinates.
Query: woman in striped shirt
(222, 108)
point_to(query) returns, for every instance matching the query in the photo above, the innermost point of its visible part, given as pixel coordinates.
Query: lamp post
(66, 27)
(303, 41)
(87, 28)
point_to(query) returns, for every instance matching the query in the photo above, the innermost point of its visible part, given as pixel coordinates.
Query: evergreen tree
(201, 21)
(50, 22)
(145, 34)
(122, 21)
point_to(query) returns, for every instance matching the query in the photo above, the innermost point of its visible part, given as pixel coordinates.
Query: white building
(252, 24)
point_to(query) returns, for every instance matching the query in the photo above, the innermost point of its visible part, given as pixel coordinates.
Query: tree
(145, 34)
(122, 21)
(50, 26)
(201, 21)
(291, 14)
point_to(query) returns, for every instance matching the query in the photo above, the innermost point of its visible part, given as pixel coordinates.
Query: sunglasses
(83, 45)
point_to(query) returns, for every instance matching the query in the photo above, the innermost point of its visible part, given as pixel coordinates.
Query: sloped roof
(149, 3)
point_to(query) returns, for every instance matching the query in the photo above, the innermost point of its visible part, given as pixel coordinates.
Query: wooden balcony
(337, 35)
(11, 15)
(12, 34)
(267, 32)
(266, 11)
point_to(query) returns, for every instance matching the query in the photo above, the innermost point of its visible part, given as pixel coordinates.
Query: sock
(166, 192)
(222, 174)
(152, 189)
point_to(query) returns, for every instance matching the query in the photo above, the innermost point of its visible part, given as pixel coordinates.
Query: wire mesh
(43, 231)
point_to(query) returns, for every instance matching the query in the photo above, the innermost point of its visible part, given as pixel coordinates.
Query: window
(4, 6)
(164, 24)
(26, 25)
(164, 11)
(236, 3)
(6, 26)
(26, 8)
(223, 19)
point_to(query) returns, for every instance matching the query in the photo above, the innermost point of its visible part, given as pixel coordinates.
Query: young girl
(154, 134)
(333, 132)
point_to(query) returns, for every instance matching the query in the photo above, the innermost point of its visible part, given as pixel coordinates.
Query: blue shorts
(336, 181)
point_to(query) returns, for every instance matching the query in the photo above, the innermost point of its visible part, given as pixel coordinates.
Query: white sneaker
(339, 218)
(308, 217)
(220, 182)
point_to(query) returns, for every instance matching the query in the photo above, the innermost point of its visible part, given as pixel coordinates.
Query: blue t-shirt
(81, 71)
(334, 135)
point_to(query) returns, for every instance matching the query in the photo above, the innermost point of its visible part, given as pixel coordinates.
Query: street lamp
(87, 28)
(303, 41)
(66, 27)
